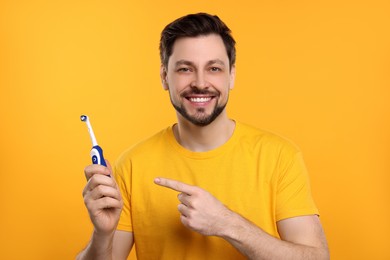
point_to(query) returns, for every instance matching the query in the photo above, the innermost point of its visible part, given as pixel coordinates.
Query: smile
(199, 99)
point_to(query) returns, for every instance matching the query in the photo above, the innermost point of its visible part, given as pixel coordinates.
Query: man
(207, 187)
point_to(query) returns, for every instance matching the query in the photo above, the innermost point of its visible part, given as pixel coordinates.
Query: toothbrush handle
(97, 155)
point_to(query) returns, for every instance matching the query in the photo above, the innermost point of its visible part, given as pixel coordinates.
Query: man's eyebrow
(216, 61)
(189, 63)
(183, 62)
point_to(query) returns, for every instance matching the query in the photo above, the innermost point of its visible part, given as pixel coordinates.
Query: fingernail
(157, 180)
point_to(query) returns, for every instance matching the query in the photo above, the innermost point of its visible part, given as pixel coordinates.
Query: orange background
(316, 72)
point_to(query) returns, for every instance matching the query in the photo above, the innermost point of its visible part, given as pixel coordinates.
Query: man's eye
(215, 69)
(183, 69)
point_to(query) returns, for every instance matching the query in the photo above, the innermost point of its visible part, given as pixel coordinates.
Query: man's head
(194, 25)
(198, 57)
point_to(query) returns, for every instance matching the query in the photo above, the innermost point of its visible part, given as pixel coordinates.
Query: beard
(200, 118)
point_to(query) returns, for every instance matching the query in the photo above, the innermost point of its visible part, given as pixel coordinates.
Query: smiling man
(199, 84)
(208, 187)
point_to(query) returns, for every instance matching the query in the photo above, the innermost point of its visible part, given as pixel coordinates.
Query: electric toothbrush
(96, 151)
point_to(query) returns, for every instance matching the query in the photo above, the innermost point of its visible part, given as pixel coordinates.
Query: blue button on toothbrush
(96, 151)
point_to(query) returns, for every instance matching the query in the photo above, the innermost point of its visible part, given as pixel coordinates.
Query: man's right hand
(102, 198)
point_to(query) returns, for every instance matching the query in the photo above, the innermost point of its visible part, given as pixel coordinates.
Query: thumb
(108, 166)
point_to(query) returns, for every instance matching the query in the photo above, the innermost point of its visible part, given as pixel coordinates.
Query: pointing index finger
(174, 185)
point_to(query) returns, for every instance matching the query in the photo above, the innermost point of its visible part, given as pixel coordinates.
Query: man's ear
(163, 76)
(232, 77)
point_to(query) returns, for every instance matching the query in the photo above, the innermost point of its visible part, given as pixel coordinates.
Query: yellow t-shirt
(255, 173)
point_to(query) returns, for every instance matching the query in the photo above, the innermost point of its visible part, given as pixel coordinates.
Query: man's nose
(200, 81)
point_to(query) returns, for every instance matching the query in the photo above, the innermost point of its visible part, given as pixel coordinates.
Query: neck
(204, 138)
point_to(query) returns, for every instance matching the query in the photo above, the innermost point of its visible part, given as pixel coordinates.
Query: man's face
(199, 78)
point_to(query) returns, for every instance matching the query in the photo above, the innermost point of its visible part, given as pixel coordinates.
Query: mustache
(197, 91)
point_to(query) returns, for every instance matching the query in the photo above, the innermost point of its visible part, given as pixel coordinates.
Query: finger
(183, 209)
(174, 185)
(99, 180)
(103, 191)
(108, 165)
(184, 198)
(184, 220)
(93, 169)
(103, 203)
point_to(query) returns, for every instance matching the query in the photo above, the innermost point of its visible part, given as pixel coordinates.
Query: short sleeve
(122, 174)
(294, 196)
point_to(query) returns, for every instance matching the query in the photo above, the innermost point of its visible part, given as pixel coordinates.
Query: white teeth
(200, 99)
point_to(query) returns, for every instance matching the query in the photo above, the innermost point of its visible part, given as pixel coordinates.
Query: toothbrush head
(83, 118)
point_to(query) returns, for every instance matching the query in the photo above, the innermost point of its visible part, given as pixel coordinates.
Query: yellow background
(316, 72)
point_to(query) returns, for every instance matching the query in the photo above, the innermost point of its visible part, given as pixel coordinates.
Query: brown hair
(194, 25)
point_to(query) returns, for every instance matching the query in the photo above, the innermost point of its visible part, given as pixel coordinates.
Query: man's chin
(200, 117)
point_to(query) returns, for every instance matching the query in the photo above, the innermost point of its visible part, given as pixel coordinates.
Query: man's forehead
(205, 48)
(201, 40)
